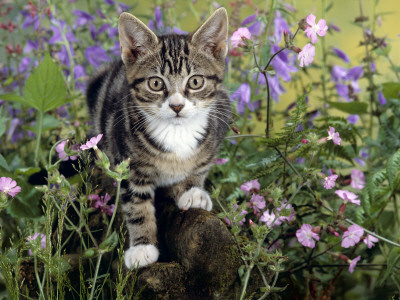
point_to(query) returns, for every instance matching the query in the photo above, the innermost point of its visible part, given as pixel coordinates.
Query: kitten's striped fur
(171, 134)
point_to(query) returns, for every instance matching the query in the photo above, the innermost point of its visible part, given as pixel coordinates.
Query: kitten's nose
(176, 107)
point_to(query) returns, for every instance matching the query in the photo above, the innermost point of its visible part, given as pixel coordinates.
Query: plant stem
(244, 136)
(95, 276)
(115, 207)
(246, 280)
(39, 122)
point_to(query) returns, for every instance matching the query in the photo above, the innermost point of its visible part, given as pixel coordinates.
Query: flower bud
(342, 209)
(303, 24)
(295, 49)
(316, 229)
(343, 228)
(333, 231)
(343, 257)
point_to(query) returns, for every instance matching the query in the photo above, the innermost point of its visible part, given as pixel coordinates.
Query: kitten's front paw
(196, 198)
(140, 256)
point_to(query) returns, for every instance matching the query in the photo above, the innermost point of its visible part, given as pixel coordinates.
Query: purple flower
(63, 56)
(250, 187)
(57, 37)
(347, 80)
(80, 76)
(370, 240)
(61, 152)
(348, 196)
(357, 179)
(249, 19)
(268, 218)
(334, 136)
(178, 30)
(239, 36)
(31, 46)
(220, 161)
(92, 143)
(242, 95)
(352, 236)
(109, 2)
(353, 263)
(281, 64)
(334, 27)
(122, 7)
(96, 55)
(315, 29)
(329, 181)
(306, 236)
(23, 66)
(100, 202)
(381, 98)
(35, 237)
(339, 53)
(306, 56)
(373, 67)
(353, 119)
(9, 186)
(289, 7)
(83, 19)
(158, 17)
(280, 25)
(257, 202)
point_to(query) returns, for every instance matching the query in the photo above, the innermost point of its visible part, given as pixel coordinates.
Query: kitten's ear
(136, 39)
(212, 35)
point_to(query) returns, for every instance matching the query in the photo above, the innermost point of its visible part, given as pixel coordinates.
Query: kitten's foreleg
(190, 193)
(140, 220)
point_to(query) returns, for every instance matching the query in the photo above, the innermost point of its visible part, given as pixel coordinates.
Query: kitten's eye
(195, 82)
(156, 83)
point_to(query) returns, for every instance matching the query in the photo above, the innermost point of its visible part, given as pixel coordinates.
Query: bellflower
(352, 236)
(96, 55)
(347, 81)
(280, 25)
(357, 179)
(334, 136)
(83, 19)
(24, 65)
(348, 196)
(34, 237)
(57, 36)
(306, 55)
(275, 86)
(250, 186)
(9, 186)
(329, 181)
(370, 240)
(343, 56)
(282, 64)
(381, 98)
(353, 263)
(242, 95)
(315, 29)
(256, 28)
(80, 77)
(92, 143)
(353, 119)
(238, 37)
(306, 236)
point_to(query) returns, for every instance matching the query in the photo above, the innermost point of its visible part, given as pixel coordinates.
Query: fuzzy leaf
(356, 108)
(391, 90)
(110, 243)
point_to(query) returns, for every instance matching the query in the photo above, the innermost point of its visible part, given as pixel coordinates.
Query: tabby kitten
(164, 107)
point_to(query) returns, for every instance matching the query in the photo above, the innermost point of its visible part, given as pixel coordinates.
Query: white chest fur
(180, 137)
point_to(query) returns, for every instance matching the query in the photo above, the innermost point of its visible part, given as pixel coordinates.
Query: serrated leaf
(110, 243)
(45, 87)
(356, 108)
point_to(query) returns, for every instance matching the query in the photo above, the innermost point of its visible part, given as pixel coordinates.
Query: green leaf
(4, 164)
(392, 261)
(45, 88)
(110, 243)
(49, 122)
(14, 98)
(356, 108)
(391, 90)
(27, 171)
(392, 167)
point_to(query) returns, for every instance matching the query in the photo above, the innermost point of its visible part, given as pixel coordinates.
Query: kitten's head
(174, 77)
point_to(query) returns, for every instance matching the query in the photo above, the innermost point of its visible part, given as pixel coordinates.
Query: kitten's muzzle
(176, 107)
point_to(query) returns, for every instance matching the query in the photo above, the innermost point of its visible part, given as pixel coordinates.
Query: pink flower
(220, 161)
(239, 36)
(353, 263)
(306, 55)
(370, 240)
(268, 218)
(34, 237)
(61, 153)
(352, 236)
(9, 186)
(357, 179)
(330, 181)
(334, 136)
(315, 29)
(306, 236)
(257, 202)
(250, 186)
(100, 202)
(92, 143)
(348, 196)
(289, 218)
